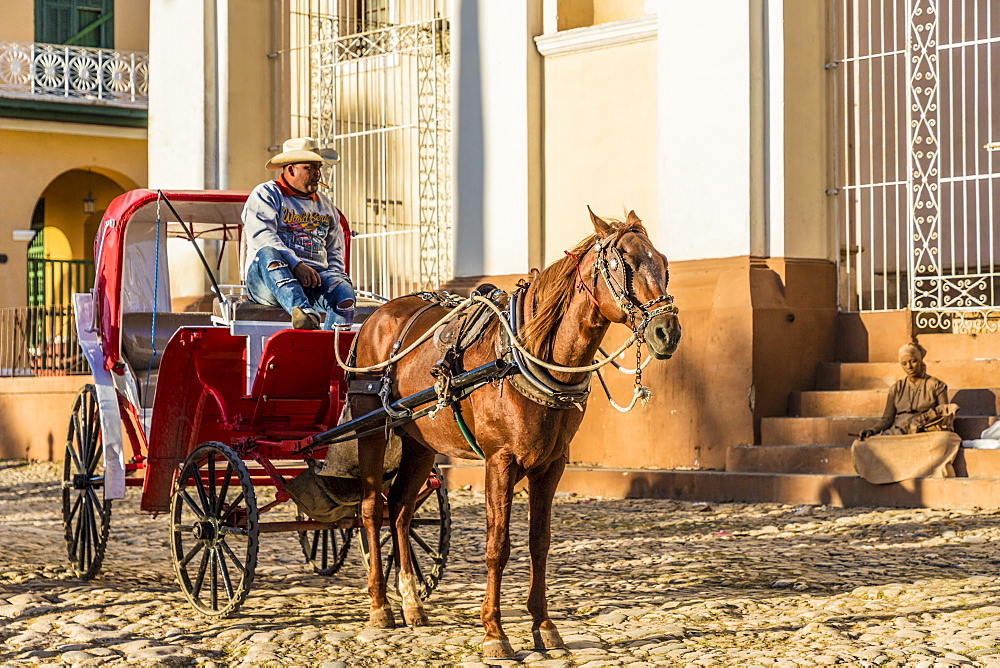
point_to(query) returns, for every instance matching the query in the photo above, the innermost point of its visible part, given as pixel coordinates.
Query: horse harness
(452, 339)
(530, 379)
(621, 290)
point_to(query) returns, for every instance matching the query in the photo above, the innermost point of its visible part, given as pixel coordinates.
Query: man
(295, 245)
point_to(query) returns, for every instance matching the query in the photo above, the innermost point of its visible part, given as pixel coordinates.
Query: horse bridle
(621, 291)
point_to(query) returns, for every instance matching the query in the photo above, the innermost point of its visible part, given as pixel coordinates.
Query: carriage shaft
(305, 525)
(468, 381)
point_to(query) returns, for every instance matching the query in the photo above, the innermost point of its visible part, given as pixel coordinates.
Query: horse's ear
(632, 219)
(600, 224)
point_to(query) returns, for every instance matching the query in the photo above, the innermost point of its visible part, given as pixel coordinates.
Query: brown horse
(614, 275)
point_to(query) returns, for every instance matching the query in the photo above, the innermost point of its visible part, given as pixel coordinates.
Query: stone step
(841, 430)
(854, 403)
(836, 460)
(724, 487)
(957, 374)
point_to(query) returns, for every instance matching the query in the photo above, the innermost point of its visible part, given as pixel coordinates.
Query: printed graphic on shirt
(307, 232)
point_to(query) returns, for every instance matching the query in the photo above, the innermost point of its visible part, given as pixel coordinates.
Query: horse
(614, 275)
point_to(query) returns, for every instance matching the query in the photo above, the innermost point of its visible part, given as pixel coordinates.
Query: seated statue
(918, 402)
(914, 438)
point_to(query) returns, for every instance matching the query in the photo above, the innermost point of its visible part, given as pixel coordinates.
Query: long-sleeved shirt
(302, 228)
(907, 399)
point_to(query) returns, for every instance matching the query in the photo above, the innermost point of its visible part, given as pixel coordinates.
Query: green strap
(86, 30)
(464, 428)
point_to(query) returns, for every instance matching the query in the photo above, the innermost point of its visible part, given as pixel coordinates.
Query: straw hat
(302, 149)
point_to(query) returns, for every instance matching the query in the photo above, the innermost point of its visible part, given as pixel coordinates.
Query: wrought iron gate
(378, 90)
(917, 119)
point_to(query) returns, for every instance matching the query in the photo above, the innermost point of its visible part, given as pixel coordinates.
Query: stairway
(813, 441)
(805, 456)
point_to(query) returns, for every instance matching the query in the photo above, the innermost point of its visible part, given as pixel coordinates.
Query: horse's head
(630, 283)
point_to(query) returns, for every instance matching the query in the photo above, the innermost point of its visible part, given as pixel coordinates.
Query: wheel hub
(205, 531)
(81, 481)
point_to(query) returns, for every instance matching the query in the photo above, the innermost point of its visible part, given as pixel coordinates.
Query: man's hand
(307, 276)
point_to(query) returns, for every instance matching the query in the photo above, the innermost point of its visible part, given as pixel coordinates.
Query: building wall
(249, 118)
(132, 25)
(210, 106)
(34, 415)
(806, 170)
(44, 152)
(599, 117)
(18, 21)
(726, 163)
(583, 13)
(496, 135)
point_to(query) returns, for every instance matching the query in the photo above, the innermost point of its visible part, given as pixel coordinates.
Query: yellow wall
(584, 13)
(575, 14)
(250, 93)
(18, 24)
(606, 11)
(64, 212)
(132, 25)
(34, 414)
(42, 152)
(809, 221)
(600, 140)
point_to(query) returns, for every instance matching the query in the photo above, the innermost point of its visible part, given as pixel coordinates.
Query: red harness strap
(580, 283)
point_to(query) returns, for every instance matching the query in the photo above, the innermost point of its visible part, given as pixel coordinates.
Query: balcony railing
(74, 73)
(40, 341)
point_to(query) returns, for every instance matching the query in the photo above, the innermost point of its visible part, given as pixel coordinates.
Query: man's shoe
(303, 320)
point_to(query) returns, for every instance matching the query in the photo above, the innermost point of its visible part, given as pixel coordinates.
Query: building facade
(783, 154)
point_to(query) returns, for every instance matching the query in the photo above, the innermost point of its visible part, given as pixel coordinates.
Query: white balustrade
(32, 70)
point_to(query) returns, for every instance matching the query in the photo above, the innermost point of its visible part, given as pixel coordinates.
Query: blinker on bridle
(621, 291)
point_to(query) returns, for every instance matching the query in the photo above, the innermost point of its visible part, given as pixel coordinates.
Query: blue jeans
(270, 281)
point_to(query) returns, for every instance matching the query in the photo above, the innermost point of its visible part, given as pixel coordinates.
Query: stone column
(496, 136)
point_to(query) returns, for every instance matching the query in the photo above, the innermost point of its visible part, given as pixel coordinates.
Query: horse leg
(414, 468)
(501, 476)
(371, 456)
(541, 489)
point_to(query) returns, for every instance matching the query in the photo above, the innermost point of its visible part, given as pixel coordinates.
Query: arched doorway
(66, 218)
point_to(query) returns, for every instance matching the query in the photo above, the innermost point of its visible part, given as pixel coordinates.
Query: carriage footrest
(325, 498)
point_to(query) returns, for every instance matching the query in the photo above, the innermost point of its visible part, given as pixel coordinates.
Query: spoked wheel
(86, 514)
(325, 549)
(214, 529)
(430, 539)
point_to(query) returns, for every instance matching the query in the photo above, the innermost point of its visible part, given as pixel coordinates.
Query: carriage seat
(138, 339)
(248, 310)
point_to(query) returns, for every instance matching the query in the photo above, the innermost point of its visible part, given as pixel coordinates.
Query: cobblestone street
(632, 582)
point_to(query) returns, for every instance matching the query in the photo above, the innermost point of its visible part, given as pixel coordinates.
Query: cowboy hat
(302, 149)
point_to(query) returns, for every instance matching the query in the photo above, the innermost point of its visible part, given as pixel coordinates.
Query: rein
(621, 292)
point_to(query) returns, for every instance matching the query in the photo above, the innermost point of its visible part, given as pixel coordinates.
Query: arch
(64, 207)
(61, 261)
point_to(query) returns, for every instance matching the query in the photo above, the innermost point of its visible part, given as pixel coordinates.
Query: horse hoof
(497, 649)
(547, 639)
(415, 617)
(381, 619)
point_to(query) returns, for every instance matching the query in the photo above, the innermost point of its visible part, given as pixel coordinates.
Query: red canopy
(207, 212)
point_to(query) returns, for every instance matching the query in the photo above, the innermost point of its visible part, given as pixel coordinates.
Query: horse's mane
(553, 290)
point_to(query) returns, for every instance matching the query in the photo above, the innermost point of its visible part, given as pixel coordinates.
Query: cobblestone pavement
(632, 582)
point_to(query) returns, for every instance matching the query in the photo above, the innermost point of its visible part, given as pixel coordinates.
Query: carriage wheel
(86, 514)
(325, 549)
(430, 540)
(214, 528)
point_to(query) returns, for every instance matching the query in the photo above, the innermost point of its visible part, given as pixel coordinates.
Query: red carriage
(202, 407)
